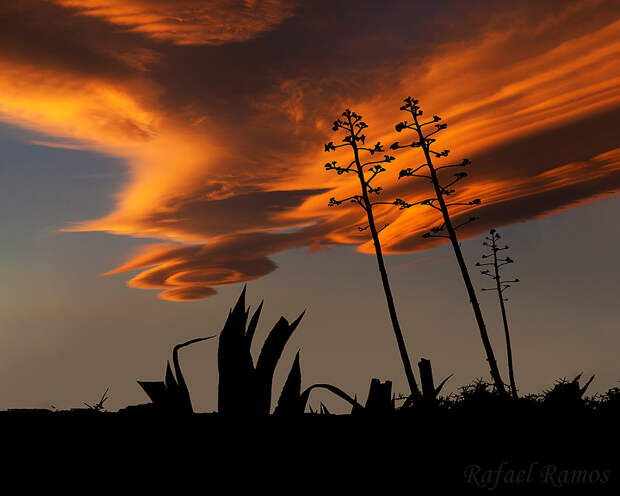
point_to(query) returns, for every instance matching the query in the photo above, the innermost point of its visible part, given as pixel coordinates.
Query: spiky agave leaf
(290, 398)
(175, 399)
(235, 365)
(268, 359)
(441, 385)
(237, 319)
(583, 389)
(170, 381)
(249, 335)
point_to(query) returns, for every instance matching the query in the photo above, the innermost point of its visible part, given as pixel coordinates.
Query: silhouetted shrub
(566, 394)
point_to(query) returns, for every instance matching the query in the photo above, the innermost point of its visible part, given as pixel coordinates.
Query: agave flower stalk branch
(424, 142)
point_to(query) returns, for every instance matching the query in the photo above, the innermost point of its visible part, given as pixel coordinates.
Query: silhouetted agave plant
(243, 387)
(441, 202)
(171, 395)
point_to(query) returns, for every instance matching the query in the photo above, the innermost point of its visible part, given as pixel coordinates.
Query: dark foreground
(535, 452)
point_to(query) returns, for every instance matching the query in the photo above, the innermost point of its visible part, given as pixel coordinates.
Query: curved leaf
(175, 358)
(334, 389)
(441, 385)
(183, 397)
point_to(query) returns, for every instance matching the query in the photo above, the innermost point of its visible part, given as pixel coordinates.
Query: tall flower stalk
(500, 286)
(430, 172)
(353, 127)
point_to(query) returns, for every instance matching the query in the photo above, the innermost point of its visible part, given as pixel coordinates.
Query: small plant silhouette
(353, 126)
(479, 396)
(172, 395)
(98, 407)
(566, 394)
(610, 401)
(293, 401)
(429, 391)
(447, 229)
(500, 286)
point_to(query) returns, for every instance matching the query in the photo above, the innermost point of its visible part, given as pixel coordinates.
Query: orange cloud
(190, 272)
(105, 116)
(512, 200)
(189, 22)
(120, 120)
(223, 142)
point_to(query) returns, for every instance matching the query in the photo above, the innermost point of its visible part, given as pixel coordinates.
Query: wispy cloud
(220, 109)
(189, 22)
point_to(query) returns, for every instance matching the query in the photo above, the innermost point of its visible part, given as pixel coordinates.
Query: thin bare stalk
(500, 287)
(402, 348)
(511, 372)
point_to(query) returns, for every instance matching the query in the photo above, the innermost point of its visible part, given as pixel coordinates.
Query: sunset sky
(156, 155)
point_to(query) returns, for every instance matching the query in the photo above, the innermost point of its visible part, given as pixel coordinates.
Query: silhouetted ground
(527, 447)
